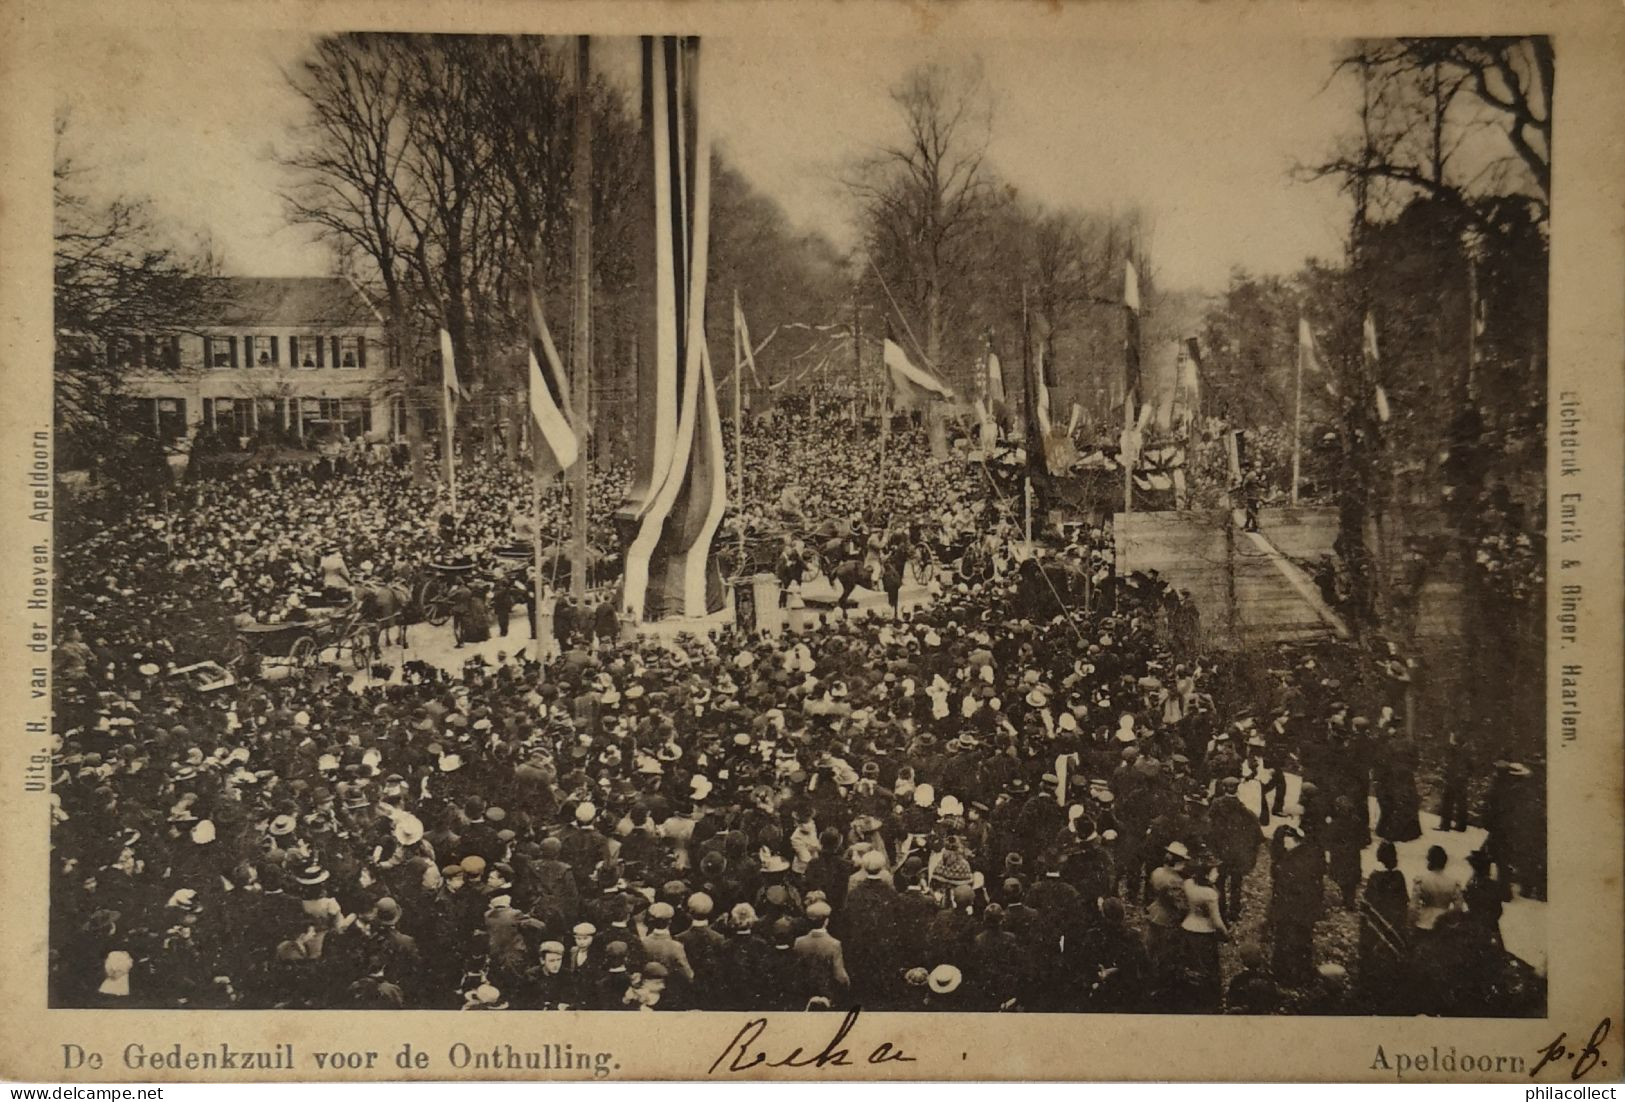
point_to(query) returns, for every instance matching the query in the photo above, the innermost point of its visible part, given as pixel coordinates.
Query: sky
(1203, 135)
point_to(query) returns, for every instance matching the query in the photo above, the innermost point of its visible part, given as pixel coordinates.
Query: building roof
(288, 301)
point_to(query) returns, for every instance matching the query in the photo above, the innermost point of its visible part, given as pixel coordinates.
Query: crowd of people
(1007, 799)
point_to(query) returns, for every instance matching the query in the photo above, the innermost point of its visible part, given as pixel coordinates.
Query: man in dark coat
(1458, 772)
(704, 945)
(1236, 837)
(581, 846)
(868, 927)
(606, 622)
(1295, 905)
(564, 621)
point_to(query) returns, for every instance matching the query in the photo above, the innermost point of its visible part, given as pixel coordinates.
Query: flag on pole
(998, 403)
(995, 379)
(1043, 384)
(1309, 357)
(1368, 349)
(1306, 348)
(1131, 339)
(988, 429)
(557, 446)
(911, 386)
(743, 329)
(1190, 376)
(1034, 399)
(448, 366)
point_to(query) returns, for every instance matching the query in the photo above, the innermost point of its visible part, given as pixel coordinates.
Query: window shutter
(274, 360)
(338, 358)
(208, 413)
(233, 342)
(321, 352)
(174, 353)
(361, 350)
(293, 351)
(248, 351)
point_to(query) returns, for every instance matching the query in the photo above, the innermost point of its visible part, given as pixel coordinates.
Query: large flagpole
(1131, 377)
(1297, 421)
(448, 444)
(537, 587)
(885, 411)
(1028, 398)
(739, 433)
(581, 341)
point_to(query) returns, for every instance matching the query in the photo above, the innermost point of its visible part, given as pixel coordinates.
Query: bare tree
(122, 296)
(1427, 100)
(440, 166)
(924, 198)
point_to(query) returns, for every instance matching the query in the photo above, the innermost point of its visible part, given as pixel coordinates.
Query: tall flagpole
(739, 433)
(448, 445)
(537, 588)
(885, 407)
(581, 338)
(1131, 377)
(1297, 422)
(1030, 434)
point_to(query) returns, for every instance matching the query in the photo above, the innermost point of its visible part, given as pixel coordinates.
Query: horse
(384, 605)
(854, 574)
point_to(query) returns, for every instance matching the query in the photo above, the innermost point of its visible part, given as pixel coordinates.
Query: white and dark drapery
(679, 487)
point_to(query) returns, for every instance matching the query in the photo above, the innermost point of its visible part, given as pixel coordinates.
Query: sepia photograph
(757, 523)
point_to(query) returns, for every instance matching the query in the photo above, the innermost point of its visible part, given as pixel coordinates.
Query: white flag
(448, 366)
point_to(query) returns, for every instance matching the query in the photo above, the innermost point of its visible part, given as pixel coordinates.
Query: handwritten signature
(1584, 1059)
(744, 1052)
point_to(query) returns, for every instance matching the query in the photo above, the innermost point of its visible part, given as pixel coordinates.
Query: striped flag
(911, 386)
(557, 443)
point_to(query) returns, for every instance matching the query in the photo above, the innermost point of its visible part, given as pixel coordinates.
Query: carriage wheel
(436, 608)
(303, 650)
(359, 646)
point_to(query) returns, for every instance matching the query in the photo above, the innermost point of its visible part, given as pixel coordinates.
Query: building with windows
(304, 356)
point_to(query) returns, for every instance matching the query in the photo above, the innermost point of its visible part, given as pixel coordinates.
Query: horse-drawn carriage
(432, 593)
(757, 553)
(300, 643)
